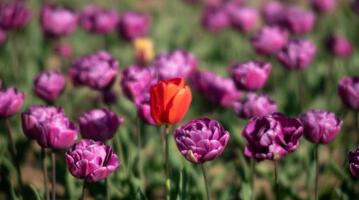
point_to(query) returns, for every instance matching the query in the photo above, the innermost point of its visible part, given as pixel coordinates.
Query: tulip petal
(179, 105)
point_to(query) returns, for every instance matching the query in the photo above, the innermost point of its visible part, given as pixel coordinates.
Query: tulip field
(179, 99)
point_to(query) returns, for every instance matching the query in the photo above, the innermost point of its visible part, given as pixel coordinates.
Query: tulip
(98, 20)
(255, 106)
(144, 50)
(273, 12)
(243, 19)
(214, 19)
(3, 37)
(63, 50)
(14, 15)
(353, 158)
(169, 101)
(271, 137)
(219, 90)
(320, 127)
(11, 101)
(144, 111)
(269, 40)
(348, 90)
(251, 75)
(99, 124)
(97, 71)
(133, 25)
(175, 64)
(49, 85)
(58, 21)
(136, 81)
(339, 46)
(324, 6)
(298, 21)
(297, 54)
(92, 161)
(49, 126)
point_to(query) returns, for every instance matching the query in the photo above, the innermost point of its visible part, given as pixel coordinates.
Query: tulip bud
(201, 140)
(298, 21)
(348, 90)
(11, 101)
(320, 126)
(269, 40)
(144, 109)
(14, 15)
(243, 19)
(63, 50)
(97, 20)
(273, 12)
(99, 124)
(255, 106)
(144, 50)
(133, 25)
(170, 101)
(49, 85)
(214, 19)
(49, 126)
(353, 158)
(91, 161)
(339, 46)
(324, 6)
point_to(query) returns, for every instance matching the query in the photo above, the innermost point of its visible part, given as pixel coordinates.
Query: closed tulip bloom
(324, 6)
(178, 63)
(348, 90)
(255, 106)
(133, 25)
(144, 50)
(49, 85)
(201, 140)
(243, 19)
(297, 54)
(11, 101)
(170, 101)
(91, 161)
(251, 75)
(14, 15)
(63, 50)
(339, 46)
(99, 124)
(320, 127)
(353, 159)
(58, 21)
(136, 81)
(97, 71)
(144, 109)
(273, 12)
(269, 40)
(214, 19)
(219, 90)
(3, 36)
(49, 126)
(97, 20)
(271, 137)
(299, 21)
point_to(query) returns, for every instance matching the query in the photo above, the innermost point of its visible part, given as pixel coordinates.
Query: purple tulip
(339, 46)
(92, 161)
(58, 21)
(133, 25)
(242, 18)
(297, 54)
(298, 21)
(255, 106)
(11, 101)
(136, 81)
(49, 85)
(353, 158)
(99, 124)
(201, 140)
(98, 70)
(273, 12)
(175, 64)
(271, 137)
(14, 15)
(348, 90)
(269, 40)
(324, 6)
(49, 126)
(219, 90)
(214, 19)
(63, 50)
(144, 109)
(320, 126)
(251, 75)
(355, 6)
(98, 20)
(3, 36)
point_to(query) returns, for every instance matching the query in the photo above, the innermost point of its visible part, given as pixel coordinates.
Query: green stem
(139, 149)
(44, 170)
(53, 158)
(83, 193)
(205, 179)
(253, 179)
(108, 189)
(316, 148)
(164, 138)
(356, 116)
(277, 191)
